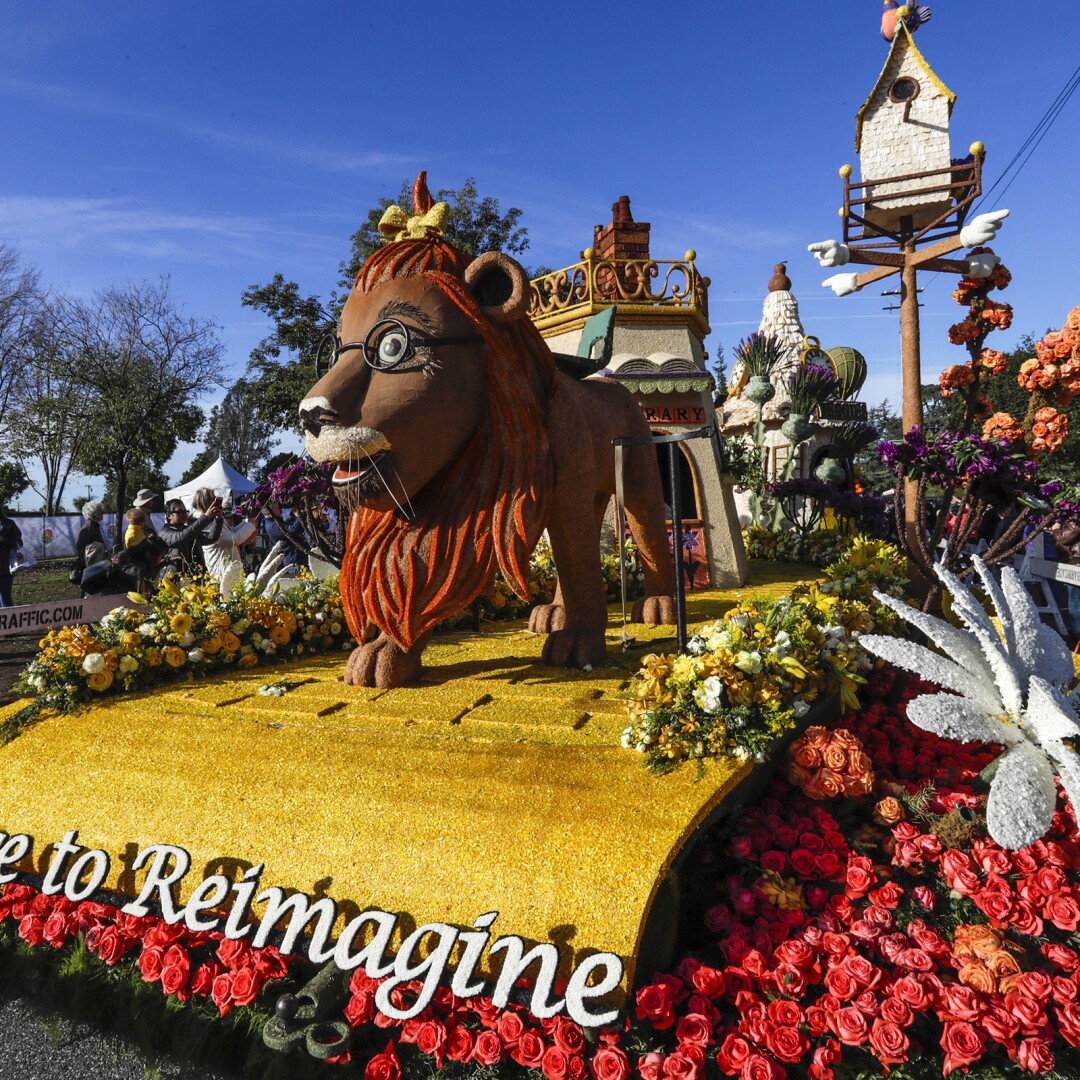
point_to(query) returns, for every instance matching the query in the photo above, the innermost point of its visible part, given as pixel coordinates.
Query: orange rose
(834, 757)
(807, 757)
(888, 811)
(1002, 964)
(978, 976)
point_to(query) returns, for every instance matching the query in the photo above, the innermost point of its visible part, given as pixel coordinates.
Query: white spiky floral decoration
(1011, 691)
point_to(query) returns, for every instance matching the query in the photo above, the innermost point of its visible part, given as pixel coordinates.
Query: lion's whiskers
(407, 513)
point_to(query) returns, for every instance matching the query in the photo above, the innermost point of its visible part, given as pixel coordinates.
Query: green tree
(876, 477)
(286, 363)
(141, 366)
(13, 481)
(236, 433)
(139, 477)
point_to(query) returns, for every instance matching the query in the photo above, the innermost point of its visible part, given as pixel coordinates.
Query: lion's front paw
(654, 611)
(575, 646)
(546, 618)
(381, 663)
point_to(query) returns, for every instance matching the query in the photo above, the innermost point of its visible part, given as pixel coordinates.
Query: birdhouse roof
(902, 42)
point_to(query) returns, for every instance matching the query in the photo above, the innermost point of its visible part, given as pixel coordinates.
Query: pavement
(34, 1046)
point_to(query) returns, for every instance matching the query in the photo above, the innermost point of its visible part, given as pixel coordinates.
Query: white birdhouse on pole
(902, 133)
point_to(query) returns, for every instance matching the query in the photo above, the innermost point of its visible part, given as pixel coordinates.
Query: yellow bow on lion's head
(428, 219)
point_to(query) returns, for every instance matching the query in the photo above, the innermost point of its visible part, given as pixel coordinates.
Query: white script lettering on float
(167, 864)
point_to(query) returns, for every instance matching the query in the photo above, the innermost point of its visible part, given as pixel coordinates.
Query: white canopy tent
(220, 477)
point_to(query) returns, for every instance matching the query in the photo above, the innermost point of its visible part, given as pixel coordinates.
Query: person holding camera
(222, 555)
(185, 540)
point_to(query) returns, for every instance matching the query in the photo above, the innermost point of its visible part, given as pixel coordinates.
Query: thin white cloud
(38, 223)
(279, 148)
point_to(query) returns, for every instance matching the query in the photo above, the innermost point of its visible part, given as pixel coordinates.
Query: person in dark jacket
(184, 538)
(290, 533)
(10, 542)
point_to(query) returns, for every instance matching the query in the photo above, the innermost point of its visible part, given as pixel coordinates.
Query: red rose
(510, 1028)
(776, 861)
(1065, 990)
(361, 1009)
(804, 863)
(1063, 911)
(610, 1063)
(1061, 956)
(709, 981)
(55, 929)
(999, 1023)
(787, 1043)
(244, 986)
(1027, 1012)
(895, 1011)
(794, 952)
(733, 1054)
(488, 1049)
(859, 877)
(109, 946)
(384, 1066)
(1025, 921)
(234, 952)
(694, 1028)
(568, 1036)
(963, 1045)
(459, 1044)
(1035, 1056)
(174, 978)
(554, 1063)
(760, 1067)
(32, 929)
(1069, 1023)
(862, 971)
(784, 1012)
(203, 982)
(679, 1066)
(924, 896)
(529, 1051)
(221, 993)
(888, 1042)
(997, 906)
(916, 960)
(150, 961)
(849, 1026)
(1035, 984)
(841, 983)
(654, 1005)
(959, 1003)
(824, 1057)
(888, 896)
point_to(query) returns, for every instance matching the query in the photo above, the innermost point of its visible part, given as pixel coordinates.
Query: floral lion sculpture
(457, 443)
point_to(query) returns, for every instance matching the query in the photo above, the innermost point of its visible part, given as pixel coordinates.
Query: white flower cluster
(1001, 699)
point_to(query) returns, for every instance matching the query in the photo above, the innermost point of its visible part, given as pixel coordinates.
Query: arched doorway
(693, 554)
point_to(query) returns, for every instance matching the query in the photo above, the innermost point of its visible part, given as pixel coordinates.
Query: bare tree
(45, 414)
(141, 363)
(20, 313)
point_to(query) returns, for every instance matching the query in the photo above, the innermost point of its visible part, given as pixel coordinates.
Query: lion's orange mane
(486, 509)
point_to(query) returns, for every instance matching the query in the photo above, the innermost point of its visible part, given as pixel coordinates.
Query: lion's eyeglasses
(390, 343)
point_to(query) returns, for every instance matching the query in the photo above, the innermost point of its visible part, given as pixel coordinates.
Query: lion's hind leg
(647, 520)
(384, 664)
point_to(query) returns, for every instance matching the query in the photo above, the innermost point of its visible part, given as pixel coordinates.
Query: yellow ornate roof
(903, 34)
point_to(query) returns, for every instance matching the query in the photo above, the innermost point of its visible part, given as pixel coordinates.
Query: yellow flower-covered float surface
(494, 785)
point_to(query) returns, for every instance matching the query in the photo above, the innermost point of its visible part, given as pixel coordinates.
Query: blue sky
(223, 143)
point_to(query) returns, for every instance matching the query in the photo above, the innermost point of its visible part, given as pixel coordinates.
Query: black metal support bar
(676, 512)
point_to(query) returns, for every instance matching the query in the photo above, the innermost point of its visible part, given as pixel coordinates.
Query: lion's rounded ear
(500, 286)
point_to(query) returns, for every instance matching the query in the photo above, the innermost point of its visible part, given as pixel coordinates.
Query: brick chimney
(624, 238)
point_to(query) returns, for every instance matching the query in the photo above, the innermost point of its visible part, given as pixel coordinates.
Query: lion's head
(435, 415)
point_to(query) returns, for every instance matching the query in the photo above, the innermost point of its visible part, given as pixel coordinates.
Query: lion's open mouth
(352, 474)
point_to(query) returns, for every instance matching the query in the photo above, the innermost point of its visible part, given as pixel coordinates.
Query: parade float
(577, 846)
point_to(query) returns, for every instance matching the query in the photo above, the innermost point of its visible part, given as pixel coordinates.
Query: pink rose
(651, 1066)
(1035, 1056)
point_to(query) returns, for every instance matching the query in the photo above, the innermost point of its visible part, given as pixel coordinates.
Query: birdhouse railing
(958, 185)
(635, 286)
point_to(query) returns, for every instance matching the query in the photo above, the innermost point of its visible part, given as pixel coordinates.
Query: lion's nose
(315, 416)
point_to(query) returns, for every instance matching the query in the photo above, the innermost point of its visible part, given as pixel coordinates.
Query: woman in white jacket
(223, 561)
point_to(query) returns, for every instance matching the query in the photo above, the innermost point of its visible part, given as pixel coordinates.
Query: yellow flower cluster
(189, 631)
(746, 677)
